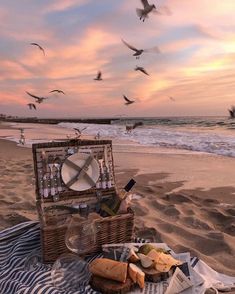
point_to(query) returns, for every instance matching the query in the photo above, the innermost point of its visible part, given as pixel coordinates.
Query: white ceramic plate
(68, 172)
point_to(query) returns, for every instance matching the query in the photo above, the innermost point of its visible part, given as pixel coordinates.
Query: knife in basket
(107, 170)
(81, 171)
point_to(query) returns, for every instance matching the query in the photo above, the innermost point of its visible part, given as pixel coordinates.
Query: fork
(57, 165)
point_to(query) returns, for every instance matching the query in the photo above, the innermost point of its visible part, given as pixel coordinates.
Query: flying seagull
(138, 52)
(143, 13)
(132, 127)
(38, 99)
(232, 112)
(32, 106)
(128, 101)
(78, 132)
(58, 91)
(140, 68)
(171, 98)
(40, 47)
(99, 76)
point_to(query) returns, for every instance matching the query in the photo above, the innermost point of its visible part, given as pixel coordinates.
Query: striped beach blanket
(21, 243)
(17, 245)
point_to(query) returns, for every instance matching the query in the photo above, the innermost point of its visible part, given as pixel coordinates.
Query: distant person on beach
(22, 137)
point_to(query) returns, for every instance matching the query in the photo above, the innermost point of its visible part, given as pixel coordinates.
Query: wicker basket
(56, 206)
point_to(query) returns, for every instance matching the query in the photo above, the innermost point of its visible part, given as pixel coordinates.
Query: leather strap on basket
(81, 171)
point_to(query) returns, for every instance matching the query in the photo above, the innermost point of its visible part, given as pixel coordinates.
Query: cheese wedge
(136, 274)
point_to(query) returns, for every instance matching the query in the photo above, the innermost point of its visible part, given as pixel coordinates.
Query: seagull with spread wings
(40, 47)
(99, 76)
(38, 99)
(143, 13)
(32, 106)
(171, 98)
(78, 132)
(140, 68)
(138, 52)
(128, 101)
(58, 91)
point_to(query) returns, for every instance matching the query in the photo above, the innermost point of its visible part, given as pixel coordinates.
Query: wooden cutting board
(106, 286)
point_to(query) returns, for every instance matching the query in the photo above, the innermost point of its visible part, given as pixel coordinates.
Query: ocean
(212, 135)
(202, 134)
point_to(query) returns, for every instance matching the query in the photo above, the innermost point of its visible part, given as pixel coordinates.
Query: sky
(195, 65)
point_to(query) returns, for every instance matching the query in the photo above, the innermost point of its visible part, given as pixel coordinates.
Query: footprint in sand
(218, 217)
(16, 182)
(210, 201)
(176, 198)
(230, 230)
(149, 234)
(230, 211)
(171, 211)
(140, 210)
(157, 205)
(6, 187)
(27, 166)
(193, 222)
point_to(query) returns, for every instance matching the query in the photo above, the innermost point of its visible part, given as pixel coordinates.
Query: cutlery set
(49, 175)
(50, 163)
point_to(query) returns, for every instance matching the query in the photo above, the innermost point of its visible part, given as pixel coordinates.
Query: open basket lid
(71, 168)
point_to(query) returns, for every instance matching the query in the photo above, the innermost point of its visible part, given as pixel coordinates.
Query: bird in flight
(138, 52)
(40, 47)
(38, 99)
(140, 68)
(171, 98)
(58, 91)
(32, 106)
(143, 13)
(99, 76)
(128, 101)
(78, 132)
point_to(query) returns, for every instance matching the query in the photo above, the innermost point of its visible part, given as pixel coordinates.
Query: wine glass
(80, 237)
(70, 273)
(33, 260)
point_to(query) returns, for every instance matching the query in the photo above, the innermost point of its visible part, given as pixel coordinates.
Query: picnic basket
(56, 202)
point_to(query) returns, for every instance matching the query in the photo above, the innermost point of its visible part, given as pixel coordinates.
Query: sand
(187, 200)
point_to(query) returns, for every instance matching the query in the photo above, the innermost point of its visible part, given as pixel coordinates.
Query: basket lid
(71, 168)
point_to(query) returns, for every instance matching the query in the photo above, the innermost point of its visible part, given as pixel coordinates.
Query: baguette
(136, 274)
(109, 269)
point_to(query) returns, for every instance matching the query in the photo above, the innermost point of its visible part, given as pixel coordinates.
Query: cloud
(60, 5)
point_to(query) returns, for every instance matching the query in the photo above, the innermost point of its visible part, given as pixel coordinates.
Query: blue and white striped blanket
(16, 245)
(20, 242)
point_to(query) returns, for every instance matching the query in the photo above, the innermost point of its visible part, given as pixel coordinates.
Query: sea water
(212, 135)
(202, 134)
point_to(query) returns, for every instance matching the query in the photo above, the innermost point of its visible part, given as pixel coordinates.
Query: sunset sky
(196, 65)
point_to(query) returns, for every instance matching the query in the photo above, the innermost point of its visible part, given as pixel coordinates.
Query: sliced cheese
(136, 274)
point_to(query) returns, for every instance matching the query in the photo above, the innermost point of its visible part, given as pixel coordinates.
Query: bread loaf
(109, 269)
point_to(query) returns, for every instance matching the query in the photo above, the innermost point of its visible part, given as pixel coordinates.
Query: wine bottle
(114, 207)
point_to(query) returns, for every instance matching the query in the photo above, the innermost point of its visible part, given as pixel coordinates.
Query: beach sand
(187, 200)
